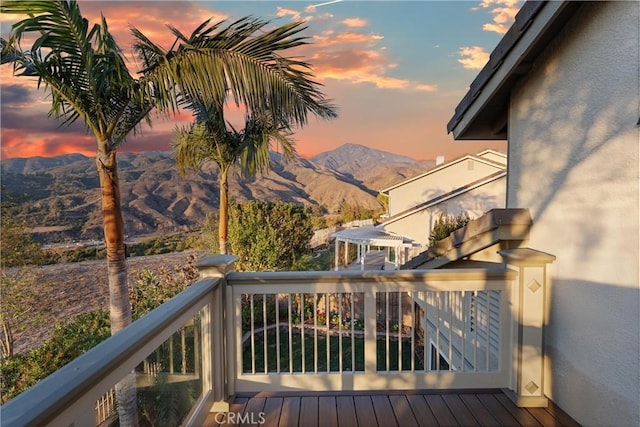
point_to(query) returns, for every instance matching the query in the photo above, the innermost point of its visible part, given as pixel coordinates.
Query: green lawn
(334, 352)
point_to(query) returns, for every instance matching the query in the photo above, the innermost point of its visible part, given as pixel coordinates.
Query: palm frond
(243, 62)
(81, 66)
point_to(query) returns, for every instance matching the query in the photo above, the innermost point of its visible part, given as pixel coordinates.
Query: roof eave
(482, 113)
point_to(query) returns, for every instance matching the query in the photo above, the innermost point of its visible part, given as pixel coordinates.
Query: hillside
(60, 196)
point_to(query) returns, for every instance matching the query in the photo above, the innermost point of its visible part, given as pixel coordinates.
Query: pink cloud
(473, 57)
(354, 22)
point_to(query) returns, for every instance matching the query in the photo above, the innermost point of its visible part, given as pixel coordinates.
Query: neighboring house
(472, 185)
(563, 88)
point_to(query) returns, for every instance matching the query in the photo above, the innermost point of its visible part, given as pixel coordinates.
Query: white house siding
(475, 203)
(574, 162)
(493, 156)
(450, 177)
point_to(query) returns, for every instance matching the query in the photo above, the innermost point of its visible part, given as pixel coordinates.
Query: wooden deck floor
(391, 408)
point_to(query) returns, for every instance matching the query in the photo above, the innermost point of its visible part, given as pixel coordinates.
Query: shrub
(445, 225)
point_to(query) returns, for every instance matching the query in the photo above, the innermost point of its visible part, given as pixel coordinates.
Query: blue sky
(395, 69)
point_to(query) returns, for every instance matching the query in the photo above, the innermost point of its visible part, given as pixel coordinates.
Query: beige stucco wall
(574, 162)
(444, 180)
(475, 202)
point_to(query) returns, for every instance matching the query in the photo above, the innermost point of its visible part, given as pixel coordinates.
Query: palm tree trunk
(223, 223)
(119, 303)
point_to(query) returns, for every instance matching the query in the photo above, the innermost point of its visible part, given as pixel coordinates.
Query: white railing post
(215, 365)
(528, 305)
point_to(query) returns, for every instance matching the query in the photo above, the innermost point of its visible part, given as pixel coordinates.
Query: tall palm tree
(276, 104)
(83, 70)
(209, 139)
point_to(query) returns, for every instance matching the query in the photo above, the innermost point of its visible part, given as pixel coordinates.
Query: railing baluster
(339, 297)
(438, 318)
(387, 329)
(253, 341)
(475, 331)
(277, 302)
(302, 340)
(463, 329)
(413, 331)
(399, 294)
(488, 340)
(315, 332)
(353, 333)
(289, 316)
(264, 332)
(451, 308)
(327, 335)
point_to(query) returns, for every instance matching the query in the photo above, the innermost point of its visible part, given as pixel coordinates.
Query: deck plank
(403, 411)
(384, 411)
(440, 410)
(523, 417)
(544, 417)
(327, 411)
(309, 411)
(561, 416)
(272, 411)
(346, 411)
(252, 410)
(495, 408)
(364, 411)
(488, 414)
(421, 410)
(290, 412)
(459, 410)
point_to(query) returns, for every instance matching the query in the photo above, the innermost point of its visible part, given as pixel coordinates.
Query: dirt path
(69, 289)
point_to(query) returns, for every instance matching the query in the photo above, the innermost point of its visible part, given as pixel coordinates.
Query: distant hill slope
(62, 193)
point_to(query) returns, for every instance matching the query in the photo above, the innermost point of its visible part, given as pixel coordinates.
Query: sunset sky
(395, 69)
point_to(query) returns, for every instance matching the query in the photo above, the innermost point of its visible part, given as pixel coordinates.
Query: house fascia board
(442, 167)
(443, 198)
(510, 64)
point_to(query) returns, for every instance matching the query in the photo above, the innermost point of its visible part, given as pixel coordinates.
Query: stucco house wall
(574, 162)
(437, 182)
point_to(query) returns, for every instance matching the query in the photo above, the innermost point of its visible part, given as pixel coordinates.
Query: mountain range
(60, 196)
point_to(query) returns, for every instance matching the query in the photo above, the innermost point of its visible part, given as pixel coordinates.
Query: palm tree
(85, 73)
(209, 139)
(271, 112)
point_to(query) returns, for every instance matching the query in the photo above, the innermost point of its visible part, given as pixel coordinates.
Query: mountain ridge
(62, 192)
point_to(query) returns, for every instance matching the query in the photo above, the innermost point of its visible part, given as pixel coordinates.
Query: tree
(210, 138)
(83, 70)
(269, 236)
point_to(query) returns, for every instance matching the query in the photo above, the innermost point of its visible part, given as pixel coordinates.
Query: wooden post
(528, 305)
(214, 360)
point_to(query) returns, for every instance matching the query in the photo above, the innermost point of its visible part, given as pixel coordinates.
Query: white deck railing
(375, 330)
(352, 330)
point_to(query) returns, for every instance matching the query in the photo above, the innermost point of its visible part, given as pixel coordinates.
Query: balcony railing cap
(526, 256)
(216, 265)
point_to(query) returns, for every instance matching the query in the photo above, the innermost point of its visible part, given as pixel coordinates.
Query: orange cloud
(283, 11)
(330, 38)
(354, 22)
(503, 11)
(473, 57)
(427, 88)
